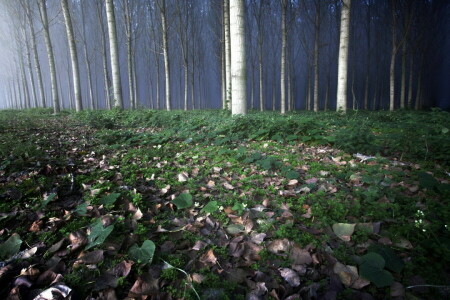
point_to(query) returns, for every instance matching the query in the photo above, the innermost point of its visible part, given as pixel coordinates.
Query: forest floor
(199, 205)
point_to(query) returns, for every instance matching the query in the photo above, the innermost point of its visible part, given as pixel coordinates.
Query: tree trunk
(37, 63)
(343, 57)
(51, 57)
(222, 65)
(226, 24)
(403, 86)
(106, 78)
(114, 53)
(86, 58)
(30, 69)
(238, 57)
(73, 56)
(283, 57)
(261, 84)
(411, 73)
(165, 53)
(127, 21)
(316, 58)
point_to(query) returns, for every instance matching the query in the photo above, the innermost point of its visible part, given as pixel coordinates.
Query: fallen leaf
(183, 177)
(397, 289)
(300, 256)
(344, 231)
(209, 258)
(290, 276)
(278, 246)
(146, 284)
(90, 258)
(228, 186)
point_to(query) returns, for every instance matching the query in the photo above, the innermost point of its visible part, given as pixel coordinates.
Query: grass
(138, 154)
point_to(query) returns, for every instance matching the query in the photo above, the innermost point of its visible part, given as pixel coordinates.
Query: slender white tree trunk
(316, 58)
(30, 69)
(51, 57)
(86, 58)
(343, 57)
(114, 52)
(238, 59)
(283, 57)
(165, 53)
(37, 63)
(128, 33)
(226, 24)
(73, 55)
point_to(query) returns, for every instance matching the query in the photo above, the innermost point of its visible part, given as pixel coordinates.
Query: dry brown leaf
(279, 246)
(228, 186)
(210, 184)
(144, 285)
(209, 258)
(300, 256)
(78, 239)
(290, 276)
(90, 258)
(397, 289)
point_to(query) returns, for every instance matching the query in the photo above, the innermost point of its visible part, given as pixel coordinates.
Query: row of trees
(267, 54)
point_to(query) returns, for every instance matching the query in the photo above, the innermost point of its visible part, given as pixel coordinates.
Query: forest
(224, 149)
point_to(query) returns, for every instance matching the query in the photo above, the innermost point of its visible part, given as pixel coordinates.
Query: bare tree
(73, 55)
(114, 52)
(51, 57)
(343, 57)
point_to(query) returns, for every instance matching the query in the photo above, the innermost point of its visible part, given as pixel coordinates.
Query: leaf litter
(115, 235)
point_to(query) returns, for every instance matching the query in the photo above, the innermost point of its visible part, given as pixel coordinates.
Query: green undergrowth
(206, 178)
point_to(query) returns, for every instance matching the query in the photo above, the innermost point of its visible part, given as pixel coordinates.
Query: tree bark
(343, 57)
(114, 52)
(86, 58)
(106, 77)
(129, 41)
(51, 57)
(403, 86)
(30, 68)
(165, 53)
(226, 7)
(73, 56)
(316, 57)
(283, 57)
(238, 58)
(410, 83)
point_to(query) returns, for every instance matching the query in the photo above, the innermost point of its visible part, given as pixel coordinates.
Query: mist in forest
(413, 34)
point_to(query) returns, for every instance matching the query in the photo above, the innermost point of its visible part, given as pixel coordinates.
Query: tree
(238, 58)
(226, 26)
(343, 57)
(283, 56)
(106, 77)
(51, 57)
(73, 55)
(114, 52)
(165, 42)
(87, 60)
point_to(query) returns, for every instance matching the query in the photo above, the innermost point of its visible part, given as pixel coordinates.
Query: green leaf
(109, 199)
(239, 207)
(183, 201)
(393, 262)
(292, 175)
(235, 228)
(344, 231)
(48, 200)
(291, 137)
(372, 269)
(98, 234)
(211, 207)
(143, 254)
(81, 209)
(10, 247)
(427, 181)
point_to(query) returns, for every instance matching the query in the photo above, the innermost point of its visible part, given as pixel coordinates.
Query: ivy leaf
(393, 262)
(183, 201)
(109, 199)
(81, 209)
(10, 247)
(427, 181)
(47, 200)
(372, 269)
(98, 234)
(211, 207)
(143, 254)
